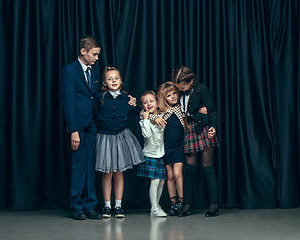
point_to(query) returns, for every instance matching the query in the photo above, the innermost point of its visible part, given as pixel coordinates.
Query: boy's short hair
(88, 42)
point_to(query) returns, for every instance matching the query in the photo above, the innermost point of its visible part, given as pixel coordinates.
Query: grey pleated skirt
(117, 153)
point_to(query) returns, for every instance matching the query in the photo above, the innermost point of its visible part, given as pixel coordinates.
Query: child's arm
(158, 120)
(145, 124)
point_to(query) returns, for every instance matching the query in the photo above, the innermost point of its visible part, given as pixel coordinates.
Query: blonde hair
(162, 93)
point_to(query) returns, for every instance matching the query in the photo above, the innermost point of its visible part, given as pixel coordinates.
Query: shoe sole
(158, 216)
(119, 216)
(79, 218)
(106, 215)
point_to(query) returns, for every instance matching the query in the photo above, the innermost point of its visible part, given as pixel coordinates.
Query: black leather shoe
(179, 206)
(186, 211)
(79, 215)
(212, 214)
(92, 214)
(173, 210)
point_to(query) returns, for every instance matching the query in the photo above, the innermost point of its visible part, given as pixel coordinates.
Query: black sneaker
(119, 213)
(106, 212)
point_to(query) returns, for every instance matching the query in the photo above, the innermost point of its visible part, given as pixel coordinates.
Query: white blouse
(153, 139)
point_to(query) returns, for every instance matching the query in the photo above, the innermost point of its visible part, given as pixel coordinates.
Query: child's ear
(83, 51)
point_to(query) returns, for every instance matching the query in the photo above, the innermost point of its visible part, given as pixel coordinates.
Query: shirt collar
(84, 67)
(115, 94)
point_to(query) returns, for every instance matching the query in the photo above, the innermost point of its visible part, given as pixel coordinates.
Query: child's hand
(211, 132)
(203, 110)
(145, 114)
(75, 141)
(160, 122)
(132, 101)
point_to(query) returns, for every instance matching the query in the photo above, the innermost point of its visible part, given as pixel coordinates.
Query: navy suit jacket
(78, 100)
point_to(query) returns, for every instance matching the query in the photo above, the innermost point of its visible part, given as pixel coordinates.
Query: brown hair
(146, 93)
(88, 42)
(182, 74)
(104, 88)
(109, 68)
(162, 92)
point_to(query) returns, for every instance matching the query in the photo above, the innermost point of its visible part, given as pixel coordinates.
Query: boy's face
(113, 80)
(149, 103)
(90, 57)
(172, 98)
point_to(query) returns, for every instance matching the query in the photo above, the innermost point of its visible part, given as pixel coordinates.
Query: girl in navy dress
(168, 97)
(154, 166)
(117, 149)
(200, 136)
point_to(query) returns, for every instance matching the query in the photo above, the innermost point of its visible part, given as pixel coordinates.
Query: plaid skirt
(194, 142)
(152, 168)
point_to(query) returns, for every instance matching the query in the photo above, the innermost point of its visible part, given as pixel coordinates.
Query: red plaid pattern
(198, 142)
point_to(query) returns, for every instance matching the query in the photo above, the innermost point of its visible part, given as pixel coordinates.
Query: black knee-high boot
(211, 183)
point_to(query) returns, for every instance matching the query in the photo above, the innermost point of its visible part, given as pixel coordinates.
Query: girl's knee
(107, 176)
(118, 175)
(178, 175)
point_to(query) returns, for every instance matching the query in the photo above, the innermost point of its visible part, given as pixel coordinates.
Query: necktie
(88, 77)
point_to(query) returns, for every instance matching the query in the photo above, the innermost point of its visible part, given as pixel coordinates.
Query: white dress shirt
(153, 139)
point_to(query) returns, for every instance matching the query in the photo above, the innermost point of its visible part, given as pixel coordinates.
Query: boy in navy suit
(80, 84)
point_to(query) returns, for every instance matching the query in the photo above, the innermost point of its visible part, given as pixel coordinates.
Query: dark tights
(190, 174)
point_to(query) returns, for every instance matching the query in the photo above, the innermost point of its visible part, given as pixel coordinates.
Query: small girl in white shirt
(153, 167)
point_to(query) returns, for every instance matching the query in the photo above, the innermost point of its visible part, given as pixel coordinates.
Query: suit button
(92, 97)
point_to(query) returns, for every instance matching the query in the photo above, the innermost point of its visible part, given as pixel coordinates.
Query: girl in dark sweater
(117, 149)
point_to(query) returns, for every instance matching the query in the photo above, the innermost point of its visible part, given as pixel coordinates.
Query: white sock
(107, 204)
(118, 203)
(160, 189)
(153, 192)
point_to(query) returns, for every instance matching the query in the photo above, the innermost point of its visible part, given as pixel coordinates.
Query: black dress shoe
(92, 214)
(79, 215)
(173, 210)
(186, 211)
(212, 214)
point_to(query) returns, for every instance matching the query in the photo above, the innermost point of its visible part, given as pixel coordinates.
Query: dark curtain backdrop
(247, 52)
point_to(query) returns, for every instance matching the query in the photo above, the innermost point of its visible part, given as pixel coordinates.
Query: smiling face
(149, 103)
(113, 80)
(172, 98)
(183, 86)
(89, 57)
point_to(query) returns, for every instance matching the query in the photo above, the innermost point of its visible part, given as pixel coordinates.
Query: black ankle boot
(173, 209)
(213, 210)
(185, 211)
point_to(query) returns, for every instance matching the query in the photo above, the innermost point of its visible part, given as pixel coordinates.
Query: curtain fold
(246, 52)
